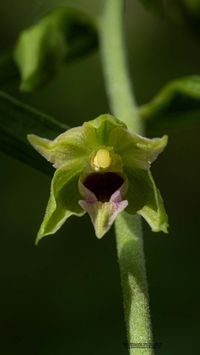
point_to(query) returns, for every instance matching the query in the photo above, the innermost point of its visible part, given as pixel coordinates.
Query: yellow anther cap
(102, 159)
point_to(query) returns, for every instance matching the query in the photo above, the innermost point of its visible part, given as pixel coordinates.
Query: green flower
(101, 169)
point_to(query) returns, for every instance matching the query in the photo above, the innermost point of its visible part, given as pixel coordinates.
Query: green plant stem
(116, 76)
(134, 284)
(128, 229)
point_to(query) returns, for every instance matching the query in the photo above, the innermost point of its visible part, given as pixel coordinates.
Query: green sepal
(178, 101)
(154, 211)
(64, 149)
(63, 201)
(99, 130)
(144, 198)
(104, 124)
(62, 35)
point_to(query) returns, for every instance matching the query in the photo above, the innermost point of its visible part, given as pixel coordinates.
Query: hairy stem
(134, 285)
(117, 78)
(128, 228)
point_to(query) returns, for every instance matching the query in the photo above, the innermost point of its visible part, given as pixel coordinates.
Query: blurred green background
(64, 297)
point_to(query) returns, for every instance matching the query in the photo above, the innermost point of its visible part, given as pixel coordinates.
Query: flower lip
(103, 185)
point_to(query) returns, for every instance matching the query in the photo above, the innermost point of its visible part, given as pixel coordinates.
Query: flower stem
(134, 284)
(116, 75)
(128, 228)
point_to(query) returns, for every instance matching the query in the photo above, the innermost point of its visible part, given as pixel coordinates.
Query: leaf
(16, 121)
(62, 35)
(178, 101)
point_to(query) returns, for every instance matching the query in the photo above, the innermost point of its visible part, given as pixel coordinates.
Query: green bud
(101, 169)
(62, 35)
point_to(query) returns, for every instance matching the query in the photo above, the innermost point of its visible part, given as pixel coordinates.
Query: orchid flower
(101, 169)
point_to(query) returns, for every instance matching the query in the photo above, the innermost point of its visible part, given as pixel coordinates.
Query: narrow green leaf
(178, 101)
(16, 121)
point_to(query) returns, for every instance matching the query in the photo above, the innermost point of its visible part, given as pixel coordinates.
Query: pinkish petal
(103, 214)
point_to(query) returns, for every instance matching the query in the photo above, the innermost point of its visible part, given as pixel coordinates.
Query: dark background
(64, 297)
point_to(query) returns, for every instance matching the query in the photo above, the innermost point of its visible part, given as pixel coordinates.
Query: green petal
(63, 201)
(144, 198)
(100, 128)
(136, 151)
(69, 146)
